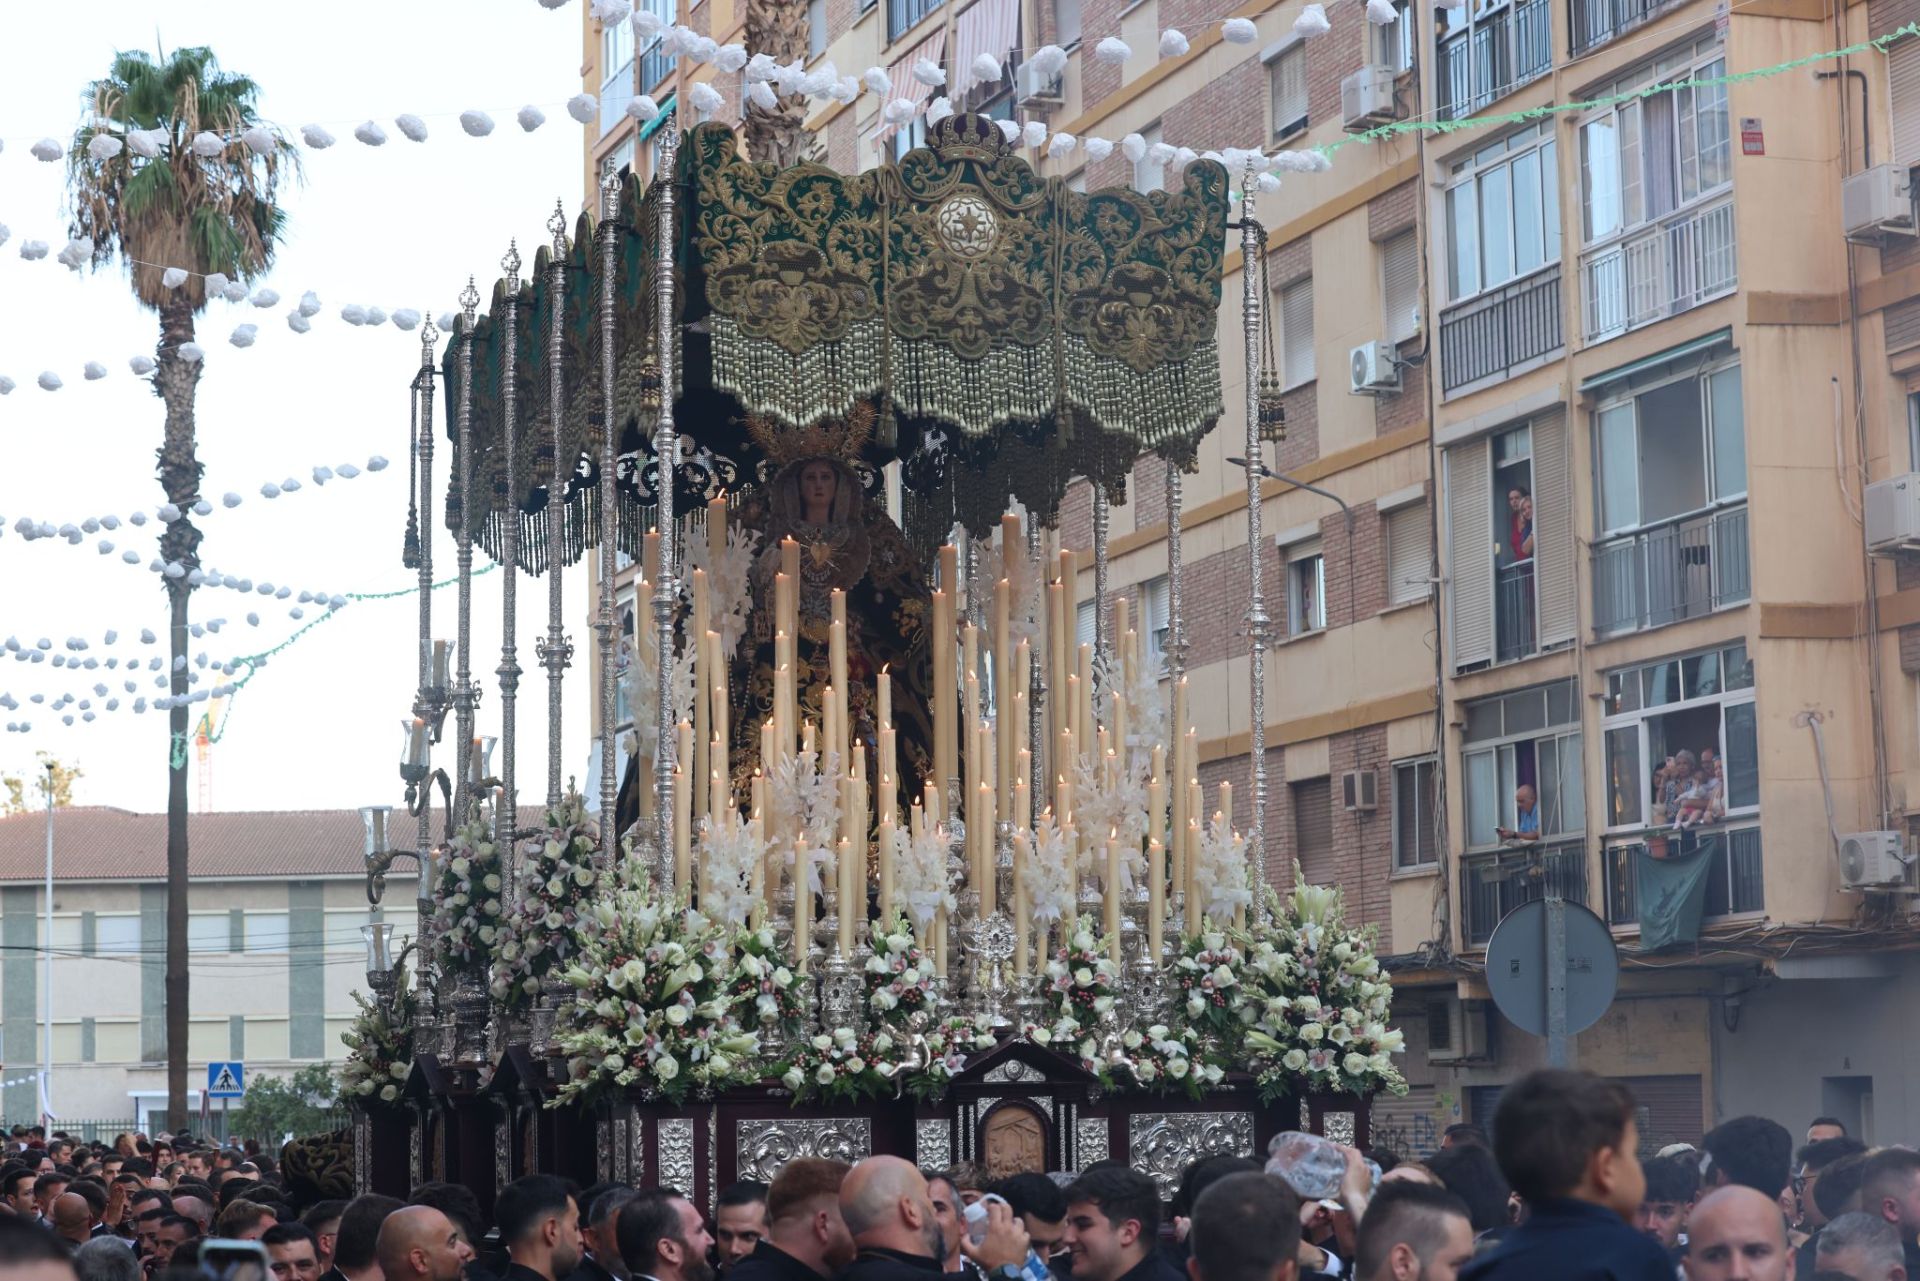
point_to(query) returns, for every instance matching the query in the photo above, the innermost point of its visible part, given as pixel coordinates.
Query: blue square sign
(227, 1080)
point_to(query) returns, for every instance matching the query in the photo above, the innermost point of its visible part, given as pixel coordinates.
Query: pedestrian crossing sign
(227, 1080)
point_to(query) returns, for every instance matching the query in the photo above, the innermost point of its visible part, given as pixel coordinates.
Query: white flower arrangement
(1050, 879)
(467, 902)
(765, 989)
(556, 880)
(899, 978)
(730, 853)
(921, 877)
(803, 795)
(1079, 988)
(1220, 871)
(727, 581)
(1112, 803)
(1167, 1059)
(380, 1046)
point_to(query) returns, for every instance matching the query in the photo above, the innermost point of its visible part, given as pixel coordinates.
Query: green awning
(1706, 342)
(654, 125)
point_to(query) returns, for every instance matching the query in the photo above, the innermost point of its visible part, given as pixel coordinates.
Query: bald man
(889, 1214)
(419, 1243)
(71, 1220)
(1737, 1234)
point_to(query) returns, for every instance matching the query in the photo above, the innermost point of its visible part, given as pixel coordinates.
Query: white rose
(389, 1093)
(492, 882)
(583, 877)
(612, 1063)
(1177, 1069)
(856, 1064)
(824, 1074)
(1312, 1033)
(1196, 1005)
(677, 1015)
(1293, 1060)
(460, 866)
(1354, 1064)
(1083, 977)
(1223, 977)
(823, 1042)
(843, 1036)
(552, 849)
(1146, 1071)
(1101, 1004)
(1041, 1036)
(1088, 1050)
(667, 1067)
(793, 1079)
(783, 978)
(1083, 942)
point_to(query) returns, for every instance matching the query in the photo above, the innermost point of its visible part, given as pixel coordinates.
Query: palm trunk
(777, 28)
(174, 383)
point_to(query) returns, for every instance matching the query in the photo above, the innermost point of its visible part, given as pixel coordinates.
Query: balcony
(903, 14)
(1594, 22)
(1488, 338)
(1674, 265)
(655, 66)
(1678, 569)
(1516, 627)
(1491, 885)
(1734, 882)
(1497, 55)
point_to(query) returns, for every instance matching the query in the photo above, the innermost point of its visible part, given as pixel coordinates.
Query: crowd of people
(1557, 1191)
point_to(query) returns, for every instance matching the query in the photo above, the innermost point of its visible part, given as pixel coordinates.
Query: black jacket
(769, 1262)
(1571, 1240)
(590, 1269)
(876, 1264)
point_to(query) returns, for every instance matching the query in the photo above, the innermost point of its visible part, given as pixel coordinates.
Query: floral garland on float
(556, 880)
(467, 903)
(379, 1044)
(1078, 989)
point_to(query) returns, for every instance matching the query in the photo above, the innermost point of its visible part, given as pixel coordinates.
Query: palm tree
(777, 28)
(206, 213)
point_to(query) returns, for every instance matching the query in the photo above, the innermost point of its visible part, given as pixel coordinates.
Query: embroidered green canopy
(1011, 334)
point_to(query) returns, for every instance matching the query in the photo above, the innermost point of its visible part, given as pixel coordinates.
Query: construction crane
(203, 736)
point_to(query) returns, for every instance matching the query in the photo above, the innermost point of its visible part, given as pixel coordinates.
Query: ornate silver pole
(1176, 648)
(556, 650)
(1102, 624)
(1257, 620)
(506, 813)
(1037, 682)
(465, 693)
(424, 706)
(607, 625)
(666, 440)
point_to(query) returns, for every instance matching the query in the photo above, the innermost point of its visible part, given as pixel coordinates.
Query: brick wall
(840, 18)
(1076, 517)
(843, 142)
(1409, 408)
(1228, 111)
(1115, 171)
(1215, 590)
(1358, 589)
(1333, 57)
(1098, 80)
(1194, 16)
(700, 18)
(1363, 842)
(1149, 491)
(1392, 211)
(1302, 444)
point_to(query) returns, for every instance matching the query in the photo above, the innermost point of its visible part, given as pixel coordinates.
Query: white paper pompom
(234, 292)
(643, 108)
(376, 463)
(1161, 153)
(216, 283)
(1312, 22)
(33, 250)
(375, 316)
(705, 98)
(929, 73)
(243, 335)
(270, 490)
(1048, 61)
(1112, 50)
(46, 150)
(759, 67)
(1010, 130)
(371, 133)
(531, 117)
(1134, 147)
(1097, 149)
(7, 385)
(1381, 12)
(141, 366)
(201, 507)
(986, 68)
(316, 137)
(583, 107)
(207, 144)
(309, 303)
(230, 499)
(406, 319)
(445, 322)
(298, 322)
(145, 143)
(354, 314)
(647, 24)
(874, 80)
(412, 126)
(1239, 31)
(478, 124)
(761, 95)
(1184, 156)
(104, 146)
(703, 48)
(730, 58)
(6, 233)
(1033, 133)
(1060, 144)
(49, 381)
(346, 471)
(260, 140)
(1173, 44)
(898, 111)
(94, 371)
(192, 352)
(75, 254)
(264, 297)
(937, 110)
(321, 475)
(608, 12)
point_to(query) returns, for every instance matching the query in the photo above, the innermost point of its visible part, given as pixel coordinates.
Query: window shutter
(1903, 88)
(1289, 91)
(1313, 829)
(1553, 573)
(1296, 331)
(1400, 285)
(1409, 555)
(1470, 551)
(1083, 624)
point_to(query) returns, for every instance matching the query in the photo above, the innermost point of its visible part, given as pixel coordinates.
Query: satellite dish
(1517, 967)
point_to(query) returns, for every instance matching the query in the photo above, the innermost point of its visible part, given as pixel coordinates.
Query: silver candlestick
(507, 812)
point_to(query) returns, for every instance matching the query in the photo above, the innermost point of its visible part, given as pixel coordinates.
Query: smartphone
(227, 1260)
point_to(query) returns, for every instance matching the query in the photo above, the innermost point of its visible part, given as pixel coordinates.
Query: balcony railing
(615, 93)
(1662, 270)
(1516, 628)
(1491, 885)
(902, 14)
(654, 67)
(1594, 22)
(1734, 883)
(1678, 569)
(1499, 54)
(1492, 335)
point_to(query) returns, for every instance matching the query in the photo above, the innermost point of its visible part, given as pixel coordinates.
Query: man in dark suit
(806, 1239)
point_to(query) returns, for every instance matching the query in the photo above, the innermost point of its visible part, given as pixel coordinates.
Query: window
(117, 935)
(1527, 739)
(1913, 431)
(1666, 719)
(816, 28)
(616, 74)
(1150, 174)
(1394, 42)
(207, 932)
(1413, 802)
(1066, 23)
(1313, 828)
(1409, 554)
(1296, 331)
(1503, 212)
(909, 135)
(1671, 471)
(268, 932)
(654, 65)
(1642, 159)
(1400, 285)
(1306, 589)
(1488, 50)
(1287, 82)
(1150, 616)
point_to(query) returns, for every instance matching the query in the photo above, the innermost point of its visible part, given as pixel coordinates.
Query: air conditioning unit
(1366, 98)
(1375, 371)
(1877, 204)
(1874, 861)
(1029, 86)
(1893, 513)
(1457, 1031)
(1359, 790)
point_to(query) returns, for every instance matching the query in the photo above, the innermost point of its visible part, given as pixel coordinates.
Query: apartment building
(275, 907)
(1600, 394)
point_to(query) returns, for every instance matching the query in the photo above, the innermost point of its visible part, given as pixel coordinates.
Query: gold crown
(841, 438)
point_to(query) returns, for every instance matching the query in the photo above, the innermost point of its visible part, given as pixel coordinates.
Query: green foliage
(17, 786)
(279, 1106)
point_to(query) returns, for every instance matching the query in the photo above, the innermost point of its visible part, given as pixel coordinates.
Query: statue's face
(818, 484)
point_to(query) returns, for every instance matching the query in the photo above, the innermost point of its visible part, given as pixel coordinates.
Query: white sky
(397, 226)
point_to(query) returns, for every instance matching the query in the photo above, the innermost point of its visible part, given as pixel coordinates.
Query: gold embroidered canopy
(1009, 334)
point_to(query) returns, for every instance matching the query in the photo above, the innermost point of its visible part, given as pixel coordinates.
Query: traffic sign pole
(1556, 964)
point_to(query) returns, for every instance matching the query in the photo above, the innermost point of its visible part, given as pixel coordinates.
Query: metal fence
(1489, 336)
(1681, 568)
(1734, 883)
(1503, 51)
(1670, 267)
(902, 14)
(1516, 623)
(1491, 885)
(1594, 22)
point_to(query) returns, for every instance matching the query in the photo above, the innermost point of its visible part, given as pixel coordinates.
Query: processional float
(889, 861)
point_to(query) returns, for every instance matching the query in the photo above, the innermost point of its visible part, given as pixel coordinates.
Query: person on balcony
(1526, 823)
(1520, 525)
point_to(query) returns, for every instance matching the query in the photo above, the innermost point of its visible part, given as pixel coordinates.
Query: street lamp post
(46, 1067)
